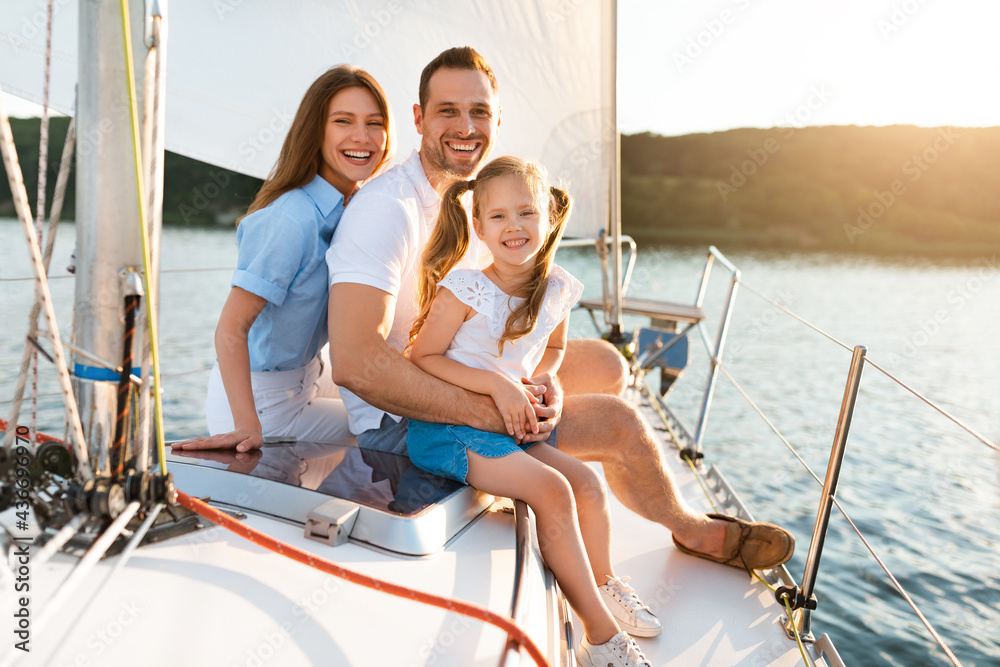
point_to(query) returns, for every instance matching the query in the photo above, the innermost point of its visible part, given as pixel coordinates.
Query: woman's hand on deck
(515, 403)
(242, 440)
(235, 461)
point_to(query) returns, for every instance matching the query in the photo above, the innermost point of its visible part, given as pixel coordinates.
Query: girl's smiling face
(511, 221)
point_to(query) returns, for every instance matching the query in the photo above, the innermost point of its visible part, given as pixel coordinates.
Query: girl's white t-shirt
(475, 342)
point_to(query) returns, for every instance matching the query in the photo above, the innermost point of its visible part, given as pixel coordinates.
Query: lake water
(925, 494)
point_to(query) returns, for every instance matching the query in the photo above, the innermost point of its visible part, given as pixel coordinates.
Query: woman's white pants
(303, 403)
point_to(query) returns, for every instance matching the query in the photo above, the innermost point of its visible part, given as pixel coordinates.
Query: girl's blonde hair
(302, 151)
(450, 241)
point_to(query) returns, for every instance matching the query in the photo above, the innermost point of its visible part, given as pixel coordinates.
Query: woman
(269, 379)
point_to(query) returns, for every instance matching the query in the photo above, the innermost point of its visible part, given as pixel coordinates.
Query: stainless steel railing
(716, 350)
(801, 597)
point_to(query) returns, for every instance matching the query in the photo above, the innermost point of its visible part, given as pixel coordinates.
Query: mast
(615, 217)
(108, 246)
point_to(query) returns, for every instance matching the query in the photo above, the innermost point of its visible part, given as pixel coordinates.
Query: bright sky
(706, 66)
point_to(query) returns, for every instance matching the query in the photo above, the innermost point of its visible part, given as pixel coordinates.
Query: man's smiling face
(458, 124)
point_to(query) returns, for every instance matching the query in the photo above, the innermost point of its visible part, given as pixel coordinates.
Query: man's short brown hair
(459, 57)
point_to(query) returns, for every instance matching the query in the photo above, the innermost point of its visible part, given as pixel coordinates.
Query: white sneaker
(621, 651)
(633, 616)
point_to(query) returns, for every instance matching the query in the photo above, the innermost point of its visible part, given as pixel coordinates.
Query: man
(373, 262)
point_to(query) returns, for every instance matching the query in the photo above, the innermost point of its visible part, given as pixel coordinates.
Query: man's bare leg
(603, 428)
(608, 430)
(592, 366)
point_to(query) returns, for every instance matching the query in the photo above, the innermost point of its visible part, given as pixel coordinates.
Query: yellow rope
(694, 471)
(677, 442)
(702, 485)
(154, 352)
(764, 581)
(659, 410)
(798, 639)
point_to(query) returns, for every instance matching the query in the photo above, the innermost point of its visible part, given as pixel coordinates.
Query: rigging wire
(299, 555)
(151, 317)
(86, 563)
(30, 357)
(43, 172)
(59, 539)
(20, 196)
(899, 588)
(162, 271)
(971, 431)
(123, 557)
(767, 421)
(154, 110)
(983, 439)
(797, 317)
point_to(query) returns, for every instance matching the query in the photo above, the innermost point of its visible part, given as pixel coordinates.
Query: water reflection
(380, 480)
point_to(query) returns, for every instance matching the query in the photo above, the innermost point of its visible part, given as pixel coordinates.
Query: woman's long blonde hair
(450, 241)
(302, 151)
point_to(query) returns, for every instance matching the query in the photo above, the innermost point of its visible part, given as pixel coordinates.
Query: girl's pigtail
(562, 204)
(447, 246)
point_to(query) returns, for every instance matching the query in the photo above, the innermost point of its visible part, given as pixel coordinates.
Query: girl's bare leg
(550, 497)
(591, 504)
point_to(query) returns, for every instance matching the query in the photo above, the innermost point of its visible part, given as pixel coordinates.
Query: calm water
(924, 493)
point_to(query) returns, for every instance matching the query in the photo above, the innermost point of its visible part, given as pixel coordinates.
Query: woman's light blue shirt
(282, 258)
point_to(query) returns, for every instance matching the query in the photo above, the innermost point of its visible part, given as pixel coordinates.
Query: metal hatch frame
(421, 534)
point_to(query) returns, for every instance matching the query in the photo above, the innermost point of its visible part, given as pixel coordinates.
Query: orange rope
(515, 633)
(39, 437)
(260, 539)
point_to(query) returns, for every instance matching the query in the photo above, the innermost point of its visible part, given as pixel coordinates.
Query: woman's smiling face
(354, 139)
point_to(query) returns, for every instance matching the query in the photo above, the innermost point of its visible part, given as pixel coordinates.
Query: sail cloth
(237, 69)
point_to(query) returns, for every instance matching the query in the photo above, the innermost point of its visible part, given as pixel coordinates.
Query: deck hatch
(399, 507)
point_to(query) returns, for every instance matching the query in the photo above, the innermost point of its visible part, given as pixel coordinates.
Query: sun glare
(689, 67)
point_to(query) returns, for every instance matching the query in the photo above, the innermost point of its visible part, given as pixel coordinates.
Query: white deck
(211, 598)
(712, 614)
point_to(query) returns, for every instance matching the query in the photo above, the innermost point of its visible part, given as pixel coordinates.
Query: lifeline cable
(306, 558)
(649, 394)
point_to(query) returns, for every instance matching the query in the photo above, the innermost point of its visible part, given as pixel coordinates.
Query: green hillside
(898, 189)
(895, 190)
(194, 193)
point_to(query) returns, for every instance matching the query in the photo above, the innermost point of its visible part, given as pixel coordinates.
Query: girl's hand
(548, 404)
(515, 403)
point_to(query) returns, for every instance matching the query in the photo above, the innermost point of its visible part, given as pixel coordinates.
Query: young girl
(269, 378)
(489, 330)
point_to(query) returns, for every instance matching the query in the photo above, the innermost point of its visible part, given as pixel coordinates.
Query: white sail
(241, 67)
